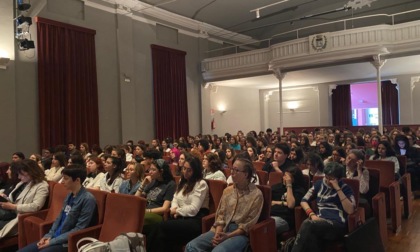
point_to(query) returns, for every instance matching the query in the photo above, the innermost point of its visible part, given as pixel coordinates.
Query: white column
(280, 76)
(378, 63)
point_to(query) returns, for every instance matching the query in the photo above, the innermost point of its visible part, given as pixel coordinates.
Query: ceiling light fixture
(257, 10)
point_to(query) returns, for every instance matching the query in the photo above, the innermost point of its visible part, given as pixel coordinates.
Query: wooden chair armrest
(356, 219)
(207, 222)
(21, 230)
(262, 236)
(87, 232)
(407, 194)
(45, 227)
(395, 207)
(40, 214)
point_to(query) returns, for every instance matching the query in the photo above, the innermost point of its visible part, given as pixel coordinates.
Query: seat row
(117, 213)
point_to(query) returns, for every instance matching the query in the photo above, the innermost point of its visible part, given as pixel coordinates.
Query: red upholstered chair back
(258, 165)
(216, 188)
(123, 213)
(100, 197)
(275, 178)
(374, 183)
(263, 177)
(355, 187)
(58, 196)
(266, 210)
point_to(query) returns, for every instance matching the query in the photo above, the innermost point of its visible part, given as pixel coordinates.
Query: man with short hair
(79, 211)
(280, 159)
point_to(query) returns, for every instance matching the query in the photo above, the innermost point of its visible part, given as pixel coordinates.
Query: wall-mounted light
(292, 105)
(3, 62)
(221, 108)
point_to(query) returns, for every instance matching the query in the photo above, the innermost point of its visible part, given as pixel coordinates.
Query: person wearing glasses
(239, 209)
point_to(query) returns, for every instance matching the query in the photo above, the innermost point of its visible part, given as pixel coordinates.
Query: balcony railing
(348, 23)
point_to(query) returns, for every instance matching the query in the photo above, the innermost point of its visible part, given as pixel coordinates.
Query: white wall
(307, 114)
(242, 110)
(248, 109)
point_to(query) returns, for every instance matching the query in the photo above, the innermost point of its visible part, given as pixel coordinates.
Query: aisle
(408, 239)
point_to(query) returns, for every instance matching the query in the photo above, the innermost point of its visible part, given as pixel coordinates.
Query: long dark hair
(389, 151)
(163, 167)
(117, 171)
(31, 168)
(297, 175)
(196, 176)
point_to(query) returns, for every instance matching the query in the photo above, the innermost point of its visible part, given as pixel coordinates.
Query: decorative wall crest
(319, 43)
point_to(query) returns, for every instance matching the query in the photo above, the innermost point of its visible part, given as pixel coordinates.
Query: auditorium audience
(134, 175)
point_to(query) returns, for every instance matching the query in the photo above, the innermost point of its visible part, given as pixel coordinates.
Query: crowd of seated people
(141, 170)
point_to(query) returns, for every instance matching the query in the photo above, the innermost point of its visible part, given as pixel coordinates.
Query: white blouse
(218, 175)
(115, 186)
(94, 182)
(54, 174)
(189, 205)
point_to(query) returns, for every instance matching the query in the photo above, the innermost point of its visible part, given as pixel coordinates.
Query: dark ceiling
(235, 15)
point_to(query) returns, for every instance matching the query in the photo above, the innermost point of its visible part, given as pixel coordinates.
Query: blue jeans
(281, 224)
(34, 248)
(203, 242)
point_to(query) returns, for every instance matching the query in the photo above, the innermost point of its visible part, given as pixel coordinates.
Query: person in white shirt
(212, 167)
(95, 174)
(57, 165)
(189, 205)
(112, 180)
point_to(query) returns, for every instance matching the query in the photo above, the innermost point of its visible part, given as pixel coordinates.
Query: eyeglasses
(235, 170)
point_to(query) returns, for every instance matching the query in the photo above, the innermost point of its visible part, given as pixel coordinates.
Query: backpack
(133, 242)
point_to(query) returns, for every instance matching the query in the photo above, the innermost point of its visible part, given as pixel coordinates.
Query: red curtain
(67, 84)
(341, 106)
(170, 92)
(390, 107)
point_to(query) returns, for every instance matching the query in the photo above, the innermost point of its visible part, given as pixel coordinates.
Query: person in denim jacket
(79, 211)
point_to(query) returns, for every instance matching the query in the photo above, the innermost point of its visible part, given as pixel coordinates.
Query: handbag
(93, 245)
(133, 242)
